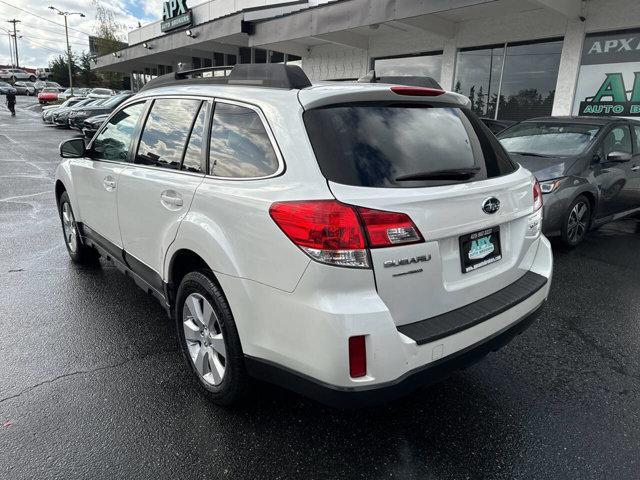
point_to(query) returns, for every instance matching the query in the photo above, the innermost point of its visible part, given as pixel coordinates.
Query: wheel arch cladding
(182, 262)
(59, 189)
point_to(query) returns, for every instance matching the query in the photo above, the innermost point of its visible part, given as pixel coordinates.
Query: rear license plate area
(479, 249)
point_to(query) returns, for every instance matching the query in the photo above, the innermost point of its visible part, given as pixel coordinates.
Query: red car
(48, 95)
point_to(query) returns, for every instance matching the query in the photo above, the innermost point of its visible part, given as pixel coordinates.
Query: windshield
(548, 138)
(50, 90)
(4, 84)
(403, 145)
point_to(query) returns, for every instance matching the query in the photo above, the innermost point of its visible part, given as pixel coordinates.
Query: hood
(544, 168)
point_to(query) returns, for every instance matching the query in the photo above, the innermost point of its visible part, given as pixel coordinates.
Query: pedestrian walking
(11, 103)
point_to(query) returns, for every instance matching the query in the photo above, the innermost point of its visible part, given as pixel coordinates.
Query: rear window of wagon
(377, 144)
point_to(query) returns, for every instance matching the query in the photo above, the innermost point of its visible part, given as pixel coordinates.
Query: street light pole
(66, 31)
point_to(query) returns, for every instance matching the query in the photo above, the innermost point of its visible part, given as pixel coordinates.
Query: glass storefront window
(478, 77)
(259, 55)
(529, 80)
(525, 83)
(423, 65)
(245, 55)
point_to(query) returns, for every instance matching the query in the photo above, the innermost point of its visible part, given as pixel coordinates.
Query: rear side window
(165, 132)
(240, 146)
(400, 145)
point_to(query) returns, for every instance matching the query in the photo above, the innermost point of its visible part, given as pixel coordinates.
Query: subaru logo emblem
(491, 205)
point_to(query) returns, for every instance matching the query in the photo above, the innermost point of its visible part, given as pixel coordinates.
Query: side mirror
(73, 148)
(618, 157)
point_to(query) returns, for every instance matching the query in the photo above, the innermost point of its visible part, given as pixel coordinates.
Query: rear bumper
(355, 397)
(300, 339)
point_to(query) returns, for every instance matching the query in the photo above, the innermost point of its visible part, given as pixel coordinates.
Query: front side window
(165, 132)
(617, 140)
(114, 141)
(636, 131)
(240, 146)
(548, 138)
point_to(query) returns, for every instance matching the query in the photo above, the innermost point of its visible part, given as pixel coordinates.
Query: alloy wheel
(578, 221)
(204, 338)
(69, 227)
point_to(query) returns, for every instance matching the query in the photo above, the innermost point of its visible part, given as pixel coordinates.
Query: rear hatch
(437, 163)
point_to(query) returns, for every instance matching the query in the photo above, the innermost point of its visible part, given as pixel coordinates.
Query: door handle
(635, 168)
(171, 199)
(109, 183)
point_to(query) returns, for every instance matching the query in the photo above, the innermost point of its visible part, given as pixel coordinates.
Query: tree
(458, 87)
(86, 77)
(110, 35)
(472, 97)
(60, 70)
(479, 107)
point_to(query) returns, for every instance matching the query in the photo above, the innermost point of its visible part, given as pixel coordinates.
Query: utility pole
(15, 39)
(66, 31)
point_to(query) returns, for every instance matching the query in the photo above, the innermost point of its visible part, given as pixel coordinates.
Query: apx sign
(609, 81)
(175, 14)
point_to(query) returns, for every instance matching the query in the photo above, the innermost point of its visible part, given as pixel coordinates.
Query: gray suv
(588, 169)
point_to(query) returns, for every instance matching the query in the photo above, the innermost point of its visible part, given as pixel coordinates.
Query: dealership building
(514, 59)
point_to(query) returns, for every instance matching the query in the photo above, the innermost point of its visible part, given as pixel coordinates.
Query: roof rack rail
(273, 75)
(409, 80)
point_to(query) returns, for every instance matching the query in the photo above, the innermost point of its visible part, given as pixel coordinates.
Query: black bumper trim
(455, 321)
(341, 397)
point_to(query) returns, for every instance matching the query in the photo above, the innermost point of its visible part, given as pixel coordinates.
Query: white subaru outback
(348, 241)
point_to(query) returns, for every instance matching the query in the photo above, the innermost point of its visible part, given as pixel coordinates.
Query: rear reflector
(417, 91)
(537, 196)
(339, 234)
(357, 357)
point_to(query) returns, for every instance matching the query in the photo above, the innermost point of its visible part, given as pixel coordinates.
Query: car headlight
(551, 186)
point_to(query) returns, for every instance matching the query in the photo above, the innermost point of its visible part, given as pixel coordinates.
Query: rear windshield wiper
(452, 174)
(531, 154)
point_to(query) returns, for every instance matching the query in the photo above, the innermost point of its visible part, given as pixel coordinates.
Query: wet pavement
(92, 384)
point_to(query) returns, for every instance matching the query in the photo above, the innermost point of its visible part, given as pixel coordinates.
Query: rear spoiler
(408, 80)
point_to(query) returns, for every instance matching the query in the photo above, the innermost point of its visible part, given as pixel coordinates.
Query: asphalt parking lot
(92, 384)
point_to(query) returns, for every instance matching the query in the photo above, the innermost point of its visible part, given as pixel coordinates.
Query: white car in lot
(101, 93)
(348, 241)
(15, 74)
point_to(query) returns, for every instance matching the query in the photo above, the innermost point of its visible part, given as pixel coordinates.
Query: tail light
(357, 356)
(339, 234)
(537, 196)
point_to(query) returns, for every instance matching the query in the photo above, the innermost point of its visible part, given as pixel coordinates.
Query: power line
(43, 18)
(86, 45)
(57, 32)
(46, 47)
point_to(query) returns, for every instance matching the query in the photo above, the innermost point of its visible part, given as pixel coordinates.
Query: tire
(209, 339)
(79, 253)
(32, 78)
(576, 222)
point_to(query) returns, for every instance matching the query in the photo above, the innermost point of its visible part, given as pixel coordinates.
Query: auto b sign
(175, 14)
(609, 81)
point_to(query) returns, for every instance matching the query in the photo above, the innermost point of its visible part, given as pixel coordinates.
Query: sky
(43, 40)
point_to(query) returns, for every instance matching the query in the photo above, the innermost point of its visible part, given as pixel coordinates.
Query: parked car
(60, 116)
(15, 74)
(92, 124)
(588, 169)
(496, 126)
(40, 85)
(101, 93)
(6, 88)
(43, 73)
(47, 95)
(341, 240)
(73, 92)
(74, 102)
(25, 88)
(102, 106)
